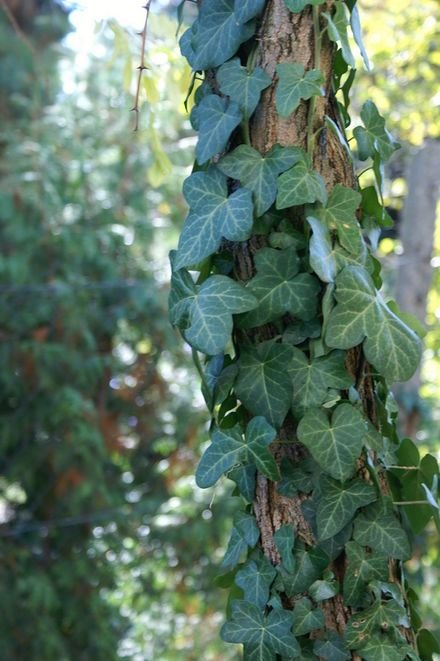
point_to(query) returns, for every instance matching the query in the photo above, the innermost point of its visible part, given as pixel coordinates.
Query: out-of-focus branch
(142, 66)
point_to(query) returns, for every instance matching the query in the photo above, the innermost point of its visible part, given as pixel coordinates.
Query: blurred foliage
(105, 542)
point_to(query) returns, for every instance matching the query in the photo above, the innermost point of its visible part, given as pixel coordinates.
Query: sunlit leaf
(295, 84)
(300, 185)
(242, 86)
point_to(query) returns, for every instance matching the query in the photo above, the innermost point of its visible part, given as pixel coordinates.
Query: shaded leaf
(309, 566)
(298, 5)
(332, 648)
(335, 444)
(361, 314)
(322, 590)
(363, 566)
(383, 648)
(263, 384)
(284, 539)
(225, 451)
(306, 618)
(300, 185)
(245, 534)
(267, 635)
(215, 119)
(259, 434)
(259, 173)
(279, 288)
(380, 529)
(245, 10)
(213, 215)
(255, 580)
(339, 502)
(242, 86)
(295, 84)
(322, 254)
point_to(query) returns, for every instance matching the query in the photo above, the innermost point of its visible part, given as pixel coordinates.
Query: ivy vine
(278, 345)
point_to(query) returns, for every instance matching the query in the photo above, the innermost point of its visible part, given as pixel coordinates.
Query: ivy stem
(411, 502)
(245, 132)
(317, 64)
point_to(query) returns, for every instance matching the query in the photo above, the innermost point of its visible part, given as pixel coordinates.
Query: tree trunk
(414, 273)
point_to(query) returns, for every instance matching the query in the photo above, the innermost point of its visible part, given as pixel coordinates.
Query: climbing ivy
(275, 282)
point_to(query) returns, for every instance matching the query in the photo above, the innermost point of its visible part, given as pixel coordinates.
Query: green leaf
(427, 644)
(215, 118)
(295, 478)
(322, 590)
(225, 451)
(337, 31)
(266, 635)
(363, 567)
(312, 378)
(296, 6)
(284, 539)
(216, 35)
(306, 619)
(300, 185)
(308, 568)
(374, 138)
(279, 288)
(380, 529)
(386, 615)
(259, 173)
(322, 254)
(245, 479)
(333, 648)
(340, 214)
(263, 384)
(213, 215)
(294, 84)
(361, 314)
(357, 34)
(335, 444)
(244, 535)
(210, 313)
(259, 434)
(245, 10)
(241, 85)
(338, 504)
(255, 580)
(383, 648)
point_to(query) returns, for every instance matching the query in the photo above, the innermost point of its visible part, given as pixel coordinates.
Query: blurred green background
(108, 550)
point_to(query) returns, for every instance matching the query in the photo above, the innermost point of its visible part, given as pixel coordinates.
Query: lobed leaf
(380, 529)
(338, 504)
(242, 86)
(300, 185)
(255, 579)
(295, 84)
(215, 119)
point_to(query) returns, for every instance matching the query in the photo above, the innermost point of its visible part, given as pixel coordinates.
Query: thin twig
(17, 29)
(141, 68)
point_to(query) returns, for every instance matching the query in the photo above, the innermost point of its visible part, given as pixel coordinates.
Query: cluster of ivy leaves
(317, 286)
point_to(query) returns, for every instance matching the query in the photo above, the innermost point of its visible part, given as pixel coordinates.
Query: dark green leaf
(225, 451)
(259, 173)
(380, 529)
(300, 185)
(245, 479)
(306, 618)
(213, 215)
(267, 635)
(245, 10)
(383, 648)
(339, 502)
(363, 567)
(242, 86)
(279, 288)
(216, 118)
(361, 314)
(284, 539)
(255, 580)
(259, 434)
(332, 649)
(335, 444)
(263, 384)
(244, 535)
(312, 378)
(294, 84)
(309, 566)
(296, 6)
(374, 138)
(322, 590)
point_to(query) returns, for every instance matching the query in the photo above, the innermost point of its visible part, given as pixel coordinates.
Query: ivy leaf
(308, 568)
(225, 451)
(215, 118)
(279, 288)
(284, 539)
(245, 479)
(357, 34)
(210, 313)
(244, 535)
(296, 6)
(383, 648)
(255, 581)
(216, 36)
(259, 434)
(322, 254)
(267, 635)
(213, 215)
(312, 378)
(306, 619)
(340, 214)
(263, 384)
(339, 502)
(333, 648)
(241, 85)
(337, 31)
(335, 444)
(363, 567)
(300, 185)
(245, 10)
(361, 314)
(294, 84)
(380, 615)
(259, 173)
(322, 590)
(380, 529)
(374, 138)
